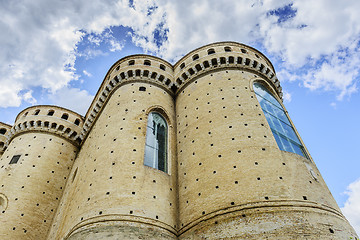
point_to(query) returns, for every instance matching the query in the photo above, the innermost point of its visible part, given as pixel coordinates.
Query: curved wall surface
(34, 170)
(234, 182)
(113, 193)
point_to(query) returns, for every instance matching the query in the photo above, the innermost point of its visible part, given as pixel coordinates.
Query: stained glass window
(280, 125)
(156, 142)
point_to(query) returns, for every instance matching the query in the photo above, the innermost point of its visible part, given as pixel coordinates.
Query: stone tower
(41, 149)
(203, 149)
(234, 179)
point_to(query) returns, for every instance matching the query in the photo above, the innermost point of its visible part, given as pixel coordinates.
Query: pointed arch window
(280, 125)
(156, 149)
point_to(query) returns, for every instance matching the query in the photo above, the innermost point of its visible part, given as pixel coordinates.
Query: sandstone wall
(31, 188)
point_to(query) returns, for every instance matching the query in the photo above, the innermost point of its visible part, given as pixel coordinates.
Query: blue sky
(58, 52)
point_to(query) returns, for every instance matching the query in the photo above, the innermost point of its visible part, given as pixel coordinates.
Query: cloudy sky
(57, 52)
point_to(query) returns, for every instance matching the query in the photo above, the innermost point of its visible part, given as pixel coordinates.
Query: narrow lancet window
(156, 142)
(280, 125)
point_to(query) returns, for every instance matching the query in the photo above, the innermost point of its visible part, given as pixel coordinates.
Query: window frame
(289, 123)
(15, 159)
(162, 114)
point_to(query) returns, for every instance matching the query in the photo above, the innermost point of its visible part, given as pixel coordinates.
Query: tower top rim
(48, 106)
(222, 43)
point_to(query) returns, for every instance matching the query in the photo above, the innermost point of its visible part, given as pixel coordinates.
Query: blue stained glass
(282, 128)
(280, 125)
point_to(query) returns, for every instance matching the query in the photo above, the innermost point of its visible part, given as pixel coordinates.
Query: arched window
(77, 122)
(280, 125)
(65, 116)
(156, 142)
(2, 131)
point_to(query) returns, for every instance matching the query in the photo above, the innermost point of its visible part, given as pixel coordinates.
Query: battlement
(224, 55)
(46, 118)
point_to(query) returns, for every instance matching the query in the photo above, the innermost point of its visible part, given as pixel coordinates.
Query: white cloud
(40, 39)
(339, 73)
(9, 95)
(116, 45)
(86, 73)
(286, 96)
(72, 98)
(29, 98)
(351, 207)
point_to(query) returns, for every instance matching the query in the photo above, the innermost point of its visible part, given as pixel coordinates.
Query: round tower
(244, 173)
(124, 181)
(40, 150)
(4, 130)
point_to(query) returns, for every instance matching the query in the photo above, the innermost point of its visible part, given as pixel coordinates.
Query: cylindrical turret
(114, 192)
(4, 131)
(234, 179)
(41, 148)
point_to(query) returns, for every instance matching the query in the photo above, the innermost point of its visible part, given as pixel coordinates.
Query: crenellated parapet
(135, 68)
(4, 131)
(45, 118)
(214, 57)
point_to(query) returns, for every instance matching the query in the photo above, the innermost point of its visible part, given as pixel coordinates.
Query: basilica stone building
(203, 149)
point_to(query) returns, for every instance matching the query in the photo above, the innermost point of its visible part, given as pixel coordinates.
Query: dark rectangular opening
(15, 159)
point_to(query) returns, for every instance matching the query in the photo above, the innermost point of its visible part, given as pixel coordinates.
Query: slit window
(195, 57)
(2, 131)
(191, 71)
(198, 67)
(15, 159)
(162, 67)
(147, 63)
(206, 64)
(122, 75)
(231, 59)
(77, 122)
(168, 81)
(214, 62)
(227, 49)
(280, 125)
(222, 60)
(65, 116)
(156, 151)
(137, 72)
(146, 73)
(211, 51)
(51, 113)
(153, 75)
(182, 65)
(131, 62)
